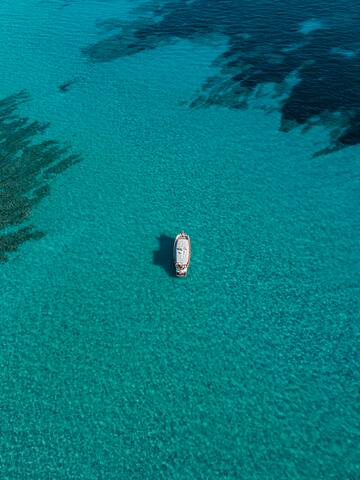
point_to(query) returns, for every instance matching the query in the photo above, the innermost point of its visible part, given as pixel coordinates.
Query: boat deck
(182, 251)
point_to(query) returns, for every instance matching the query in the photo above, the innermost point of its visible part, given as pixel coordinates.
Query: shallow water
(111, 367)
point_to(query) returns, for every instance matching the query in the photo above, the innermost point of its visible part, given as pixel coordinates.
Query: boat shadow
(163, 257)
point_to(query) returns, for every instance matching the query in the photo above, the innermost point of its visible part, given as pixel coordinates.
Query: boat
(182, 253)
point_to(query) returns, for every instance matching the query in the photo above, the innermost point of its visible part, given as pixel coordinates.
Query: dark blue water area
(29, 162)
(267, 41)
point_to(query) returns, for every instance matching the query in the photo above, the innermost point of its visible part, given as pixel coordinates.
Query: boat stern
(181, 270)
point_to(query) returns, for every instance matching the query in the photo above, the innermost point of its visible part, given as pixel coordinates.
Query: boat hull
(182, 254)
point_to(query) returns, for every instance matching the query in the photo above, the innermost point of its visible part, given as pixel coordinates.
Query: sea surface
(122, 123)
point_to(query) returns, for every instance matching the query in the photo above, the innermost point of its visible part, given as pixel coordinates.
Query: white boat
(182, 253)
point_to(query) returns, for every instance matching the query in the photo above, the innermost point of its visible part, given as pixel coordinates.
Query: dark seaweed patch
(267, 43)
(27, 165)
(64, 87)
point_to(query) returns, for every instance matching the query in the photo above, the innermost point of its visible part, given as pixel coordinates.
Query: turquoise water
(111, 368)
